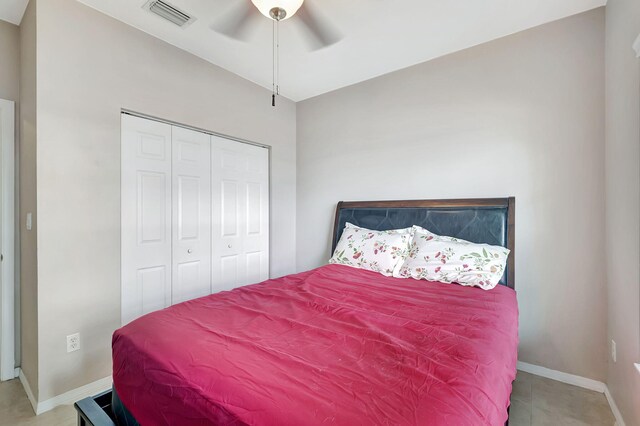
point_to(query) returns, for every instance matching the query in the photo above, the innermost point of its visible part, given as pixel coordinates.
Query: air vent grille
(169, 12)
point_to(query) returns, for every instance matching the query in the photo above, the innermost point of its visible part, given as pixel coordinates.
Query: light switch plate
(614, 351)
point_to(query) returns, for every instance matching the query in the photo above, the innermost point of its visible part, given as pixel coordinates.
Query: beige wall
(623, 202)
(521, 116)
(9, 61)
(27, 167)
(89, 67)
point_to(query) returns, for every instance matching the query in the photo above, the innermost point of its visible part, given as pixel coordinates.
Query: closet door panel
(145, 216)
(227, 236)
(228, 273)
(240, 213)
(191, 182)
(257, 214)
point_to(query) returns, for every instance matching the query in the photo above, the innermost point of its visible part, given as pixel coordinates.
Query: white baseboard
(66, 398)
(27, 389)
(572, 379)
(75, 395)
(614, 408)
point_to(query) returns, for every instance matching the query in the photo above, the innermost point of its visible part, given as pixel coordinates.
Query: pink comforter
(332, 346)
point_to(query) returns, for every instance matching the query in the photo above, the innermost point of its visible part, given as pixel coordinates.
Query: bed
(334, 345)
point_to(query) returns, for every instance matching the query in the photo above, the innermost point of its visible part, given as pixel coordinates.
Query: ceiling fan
(236, 23)
(318, 30)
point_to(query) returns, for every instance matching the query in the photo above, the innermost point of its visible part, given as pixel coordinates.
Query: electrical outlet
(614, 352)
(73, 342)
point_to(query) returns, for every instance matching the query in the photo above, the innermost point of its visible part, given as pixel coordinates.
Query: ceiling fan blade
(237, 22)
(322, 32)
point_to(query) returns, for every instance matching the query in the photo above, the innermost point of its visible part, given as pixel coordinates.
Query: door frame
(7, 240)
(636, 47)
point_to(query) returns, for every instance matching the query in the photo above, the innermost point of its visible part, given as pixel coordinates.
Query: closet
(194, 214)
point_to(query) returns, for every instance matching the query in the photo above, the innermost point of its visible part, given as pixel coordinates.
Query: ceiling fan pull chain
(278, 58)
(273, 68)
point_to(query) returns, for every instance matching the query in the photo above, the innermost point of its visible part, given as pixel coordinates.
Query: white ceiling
(12, 10)
(380, 36)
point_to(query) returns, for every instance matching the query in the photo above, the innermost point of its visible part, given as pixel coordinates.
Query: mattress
(334, 345)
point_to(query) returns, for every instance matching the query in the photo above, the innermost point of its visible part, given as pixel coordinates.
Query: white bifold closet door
(191, 225)
(195, 215)
(240, 199)
(145, 216)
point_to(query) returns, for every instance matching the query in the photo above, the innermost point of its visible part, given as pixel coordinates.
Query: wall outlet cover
(73, 342)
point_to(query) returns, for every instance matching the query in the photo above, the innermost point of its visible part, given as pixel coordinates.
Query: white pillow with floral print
(450, 260)
(378, 251)
(431, 236)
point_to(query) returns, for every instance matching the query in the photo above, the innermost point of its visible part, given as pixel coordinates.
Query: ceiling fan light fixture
(290, 7)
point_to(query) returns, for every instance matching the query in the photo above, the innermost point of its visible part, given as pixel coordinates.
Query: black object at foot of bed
(104, 409)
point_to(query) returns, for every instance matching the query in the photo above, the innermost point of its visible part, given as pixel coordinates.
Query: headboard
(480, 220)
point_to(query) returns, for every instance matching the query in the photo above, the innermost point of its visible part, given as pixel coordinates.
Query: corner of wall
(27, 196)
(622, 176)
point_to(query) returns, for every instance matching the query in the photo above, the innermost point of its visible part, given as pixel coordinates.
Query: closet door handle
(229, 246)
(189, 251)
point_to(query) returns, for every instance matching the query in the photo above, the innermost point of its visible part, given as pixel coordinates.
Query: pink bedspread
(332, 346)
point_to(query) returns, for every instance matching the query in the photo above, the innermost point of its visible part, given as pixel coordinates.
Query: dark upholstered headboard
(481, 220)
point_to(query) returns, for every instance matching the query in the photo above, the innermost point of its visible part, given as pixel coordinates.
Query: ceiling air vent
(169, 12)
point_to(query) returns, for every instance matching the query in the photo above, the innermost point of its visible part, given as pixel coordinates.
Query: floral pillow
(431, 236)
(378, 251)
(450, 260)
